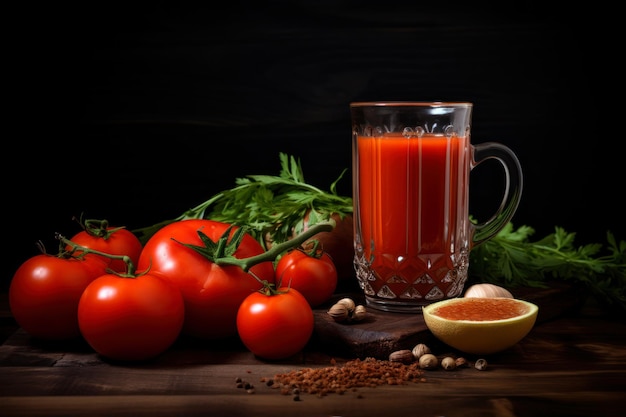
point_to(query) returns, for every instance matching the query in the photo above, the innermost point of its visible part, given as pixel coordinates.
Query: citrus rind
(480, 337)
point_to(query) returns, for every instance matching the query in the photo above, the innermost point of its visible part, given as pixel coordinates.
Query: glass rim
(411, 104)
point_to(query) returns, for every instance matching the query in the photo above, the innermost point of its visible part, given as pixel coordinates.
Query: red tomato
(44, 294)
(314, 275)
(131, 318)
(212, 292)
(275, 326)
(111, 240)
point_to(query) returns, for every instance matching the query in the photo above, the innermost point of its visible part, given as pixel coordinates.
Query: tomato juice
(411, 205)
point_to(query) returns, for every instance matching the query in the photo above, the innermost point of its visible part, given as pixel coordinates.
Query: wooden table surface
(573, 364)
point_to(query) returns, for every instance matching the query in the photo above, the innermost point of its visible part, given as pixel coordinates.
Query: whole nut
(405, 356)
(428, 361)
(481, 364)
(339, 312)
(359, 313)
(349, 303)
(420, 349)
(448, 363)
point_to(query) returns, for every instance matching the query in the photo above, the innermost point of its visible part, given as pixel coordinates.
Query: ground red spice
(368, 372)
(481, 309)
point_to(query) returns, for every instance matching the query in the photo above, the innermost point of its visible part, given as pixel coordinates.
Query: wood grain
(382, 333)
(571, 366)
(161, 93)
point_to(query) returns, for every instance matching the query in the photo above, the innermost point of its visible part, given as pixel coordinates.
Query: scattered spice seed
(354, 374)
(368, 372)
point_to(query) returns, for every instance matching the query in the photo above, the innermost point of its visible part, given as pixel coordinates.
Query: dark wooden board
(571, 366)
(382, 332)
(379, 334)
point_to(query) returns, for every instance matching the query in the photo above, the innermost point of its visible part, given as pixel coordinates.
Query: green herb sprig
(512, 259)
(273, 208)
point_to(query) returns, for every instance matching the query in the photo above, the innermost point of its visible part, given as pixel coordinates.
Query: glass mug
(411, 165)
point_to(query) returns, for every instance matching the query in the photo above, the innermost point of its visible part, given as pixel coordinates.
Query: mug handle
(481, 232)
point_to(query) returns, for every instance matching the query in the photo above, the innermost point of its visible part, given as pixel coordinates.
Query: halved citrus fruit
(480, 325)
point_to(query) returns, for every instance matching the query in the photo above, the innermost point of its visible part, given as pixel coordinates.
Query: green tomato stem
(97, 227)
(278, 249)
(130, 267)
(312, 249)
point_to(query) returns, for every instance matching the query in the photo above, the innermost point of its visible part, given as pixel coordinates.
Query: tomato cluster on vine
(200, 278)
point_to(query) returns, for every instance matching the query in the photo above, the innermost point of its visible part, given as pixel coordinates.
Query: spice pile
(404, 366)
(368, 372)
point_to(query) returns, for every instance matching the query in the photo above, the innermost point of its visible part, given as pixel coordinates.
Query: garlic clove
(486, 290)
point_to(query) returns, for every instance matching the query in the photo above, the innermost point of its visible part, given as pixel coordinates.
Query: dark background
(135, 114)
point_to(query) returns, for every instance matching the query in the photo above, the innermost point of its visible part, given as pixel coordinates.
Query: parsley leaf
(273, 208)
(512, 259)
